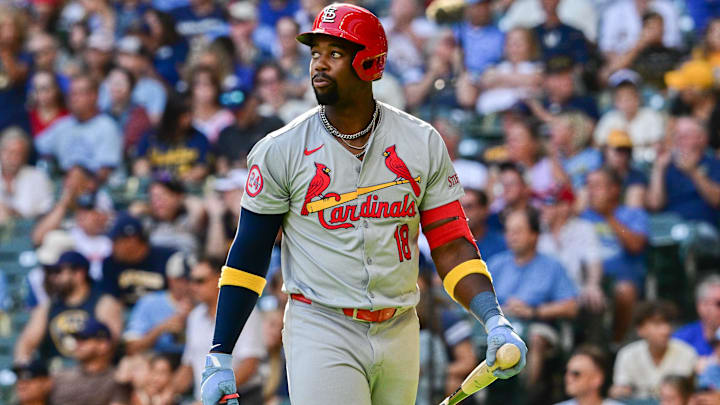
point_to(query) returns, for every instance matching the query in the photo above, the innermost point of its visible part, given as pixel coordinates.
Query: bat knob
(508, 355)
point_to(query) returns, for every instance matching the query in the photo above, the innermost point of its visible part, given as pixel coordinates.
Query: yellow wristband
(231, 276)
(461, 271)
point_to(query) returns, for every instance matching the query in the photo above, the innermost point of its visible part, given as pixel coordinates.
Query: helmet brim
(307, 38)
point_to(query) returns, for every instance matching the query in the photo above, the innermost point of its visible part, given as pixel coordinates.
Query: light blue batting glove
(500, 331)
(218, 380)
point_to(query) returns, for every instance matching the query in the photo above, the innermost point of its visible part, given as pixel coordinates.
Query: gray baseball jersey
(350, 228)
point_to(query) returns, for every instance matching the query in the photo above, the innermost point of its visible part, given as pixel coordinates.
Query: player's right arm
(241, 283)
(264, 205)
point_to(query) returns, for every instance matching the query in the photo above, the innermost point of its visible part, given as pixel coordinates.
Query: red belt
(367, 315)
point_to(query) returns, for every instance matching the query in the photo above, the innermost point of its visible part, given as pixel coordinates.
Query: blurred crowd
(586, 134)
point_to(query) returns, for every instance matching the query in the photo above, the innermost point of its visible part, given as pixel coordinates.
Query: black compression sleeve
(250, 252)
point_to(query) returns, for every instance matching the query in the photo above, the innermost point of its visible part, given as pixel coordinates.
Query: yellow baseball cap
(619, 139)
(696, 74)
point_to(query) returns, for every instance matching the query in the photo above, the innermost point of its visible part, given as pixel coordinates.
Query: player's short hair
(596, 355)
(646, 310)
(701, 291)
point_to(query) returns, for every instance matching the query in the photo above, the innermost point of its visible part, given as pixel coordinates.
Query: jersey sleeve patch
(254, 183)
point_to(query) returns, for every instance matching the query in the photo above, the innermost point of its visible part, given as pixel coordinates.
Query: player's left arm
(466, 278)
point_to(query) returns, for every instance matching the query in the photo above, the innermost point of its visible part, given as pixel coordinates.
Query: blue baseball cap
(73, 259)
(93, 329)
(126, 226)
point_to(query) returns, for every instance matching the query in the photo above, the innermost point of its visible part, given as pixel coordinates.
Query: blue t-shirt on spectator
(692, 334)
(635, 176)
(149, 312)
(540, 281)
(211, 25)
(578, 166)
(174, 158)
(93, 144)
(683, 197)
(169, 5)
(583, 104)
(148, 93)
(129, 282)
(492, 243)
(482, 46)
(127, 18)
(167, 60)
(269, 16)
(617, 261)
(562, 40)
(13, 101)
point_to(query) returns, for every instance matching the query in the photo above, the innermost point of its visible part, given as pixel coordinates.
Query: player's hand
(500, 331)
(218, 379)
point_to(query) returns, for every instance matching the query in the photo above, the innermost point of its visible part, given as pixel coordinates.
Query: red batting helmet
(358, 26)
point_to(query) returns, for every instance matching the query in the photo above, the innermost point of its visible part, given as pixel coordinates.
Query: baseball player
(350, 181)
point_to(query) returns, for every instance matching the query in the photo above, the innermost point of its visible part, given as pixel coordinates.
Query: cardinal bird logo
(399, 168)
(317, 186)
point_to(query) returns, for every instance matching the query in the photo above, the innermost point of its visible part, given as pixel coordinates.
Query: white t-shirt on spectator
(634, 366)
(212, 126)
(32, 192)
(198, 339)
(502, 98)
(94, 248)
(645, 129)
(577, 245)
(621, 25)
(471, 174)
(580, 14)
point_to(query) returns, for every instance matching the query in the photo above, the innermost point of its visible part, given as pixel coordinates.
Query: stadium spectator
(645, 126)
(271, 89)
(675, 390)
(157, 320)
(46, 101)
(640, 366)
(407, 31)
(471, 173)
(44, 14)
(129, 16)
(76, 300)
(200, 20)
(700, 333)
(585, 376)
(648, 57)
(208, 115)
(97, 53)
(176, 149)
(25, 191)
(46, 56)
(560, 93)
(532, 288)
(292, 57)
(685, 180)
(617, 155)
(621, 25)
(515, 195)
(435, 93)
(243, 22)
(132, 119)
(709, 48)
(92, 381)
(248, 350)
(135, 267)
(14, 67)
(87, 137)
(169, 49)
(522, 141)
(573, 242)
(223, 212)
(569, 148)
(275, 386)
(150, 378)
(39, 287)
(708, 368)
(236, 141)
(171, 220)
(148, 92)
(489, 241)
(481, 41)
(33, 383)
(558, 38)
(622, 232)
(516, 77)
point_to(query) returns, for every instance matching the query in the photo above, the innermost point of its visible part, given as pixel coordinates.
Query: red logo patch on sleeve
(254, 183)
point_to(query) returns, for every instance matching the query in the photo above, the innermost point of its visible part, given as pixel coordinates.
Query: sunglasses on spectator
(198, 280)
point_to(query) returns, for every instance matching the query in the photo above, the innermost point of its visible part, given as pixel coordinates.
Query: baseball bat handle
(507, 356)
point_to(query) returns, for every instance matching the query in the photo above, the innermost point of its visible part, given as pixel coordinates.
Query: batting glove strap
(218, 379)
(500, 331)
